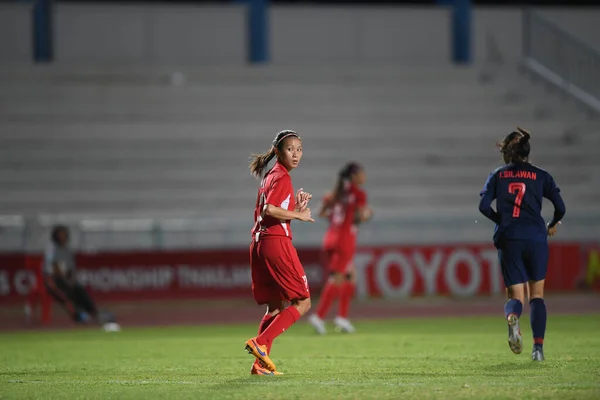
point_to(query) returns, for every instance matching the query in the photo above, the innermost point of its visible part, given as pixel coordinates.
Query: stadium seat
(124, 142)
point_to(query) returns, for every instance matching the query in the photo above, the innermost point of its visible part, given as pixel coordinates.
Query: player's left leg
(334, 264)
(265, 291)
(330, 293)
(347, 293)
(61, 293)
(274, 307)
(283, 321)
(512, 312)
(537, 266)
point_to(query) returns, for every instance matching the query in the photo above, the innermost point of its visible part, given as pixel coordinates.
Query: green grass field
(397, 359)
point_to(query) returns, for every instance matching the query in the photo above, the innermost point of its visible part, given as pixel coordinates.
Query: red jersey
(275, 189)
(342, 227)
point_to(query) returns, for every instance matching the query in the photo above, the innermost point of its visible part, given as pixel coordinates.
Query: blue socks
(513, 306)
(538, 318)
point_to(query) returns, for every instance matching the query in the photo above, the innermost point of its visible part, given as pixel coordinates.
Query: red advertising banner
(457, 270)
(589, 277)
(390, 271)
(152, 275)
(15, 279)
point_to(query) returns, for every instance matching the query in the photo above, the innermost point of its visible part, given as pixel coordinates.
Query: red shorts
(277, 274)
(339, 246)
(339, 260)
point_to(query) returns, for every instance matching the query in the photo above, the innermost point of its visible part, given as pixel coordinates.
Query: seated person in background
(61, 282)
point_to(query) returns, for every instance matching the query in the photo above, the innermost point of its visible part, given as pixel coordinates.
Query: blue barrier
(258, 31)
(42, 31)
(461, 31)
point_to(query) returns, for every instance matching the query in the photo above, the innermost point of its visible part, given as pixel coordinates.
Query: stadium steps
(95, 141)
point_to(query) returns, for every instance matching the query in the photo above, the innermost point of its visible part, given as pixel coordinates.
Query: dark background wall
(418, 2)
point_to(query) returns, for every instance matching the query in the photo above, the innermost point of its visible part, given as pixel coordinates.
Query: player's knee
(303, 306)
(516, 292)
(536, 289)
(337, 278)
(536, 295)
(274, 307)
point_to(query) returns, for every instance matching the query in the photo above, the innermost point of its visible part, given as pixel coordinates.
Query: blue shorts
(523, 261)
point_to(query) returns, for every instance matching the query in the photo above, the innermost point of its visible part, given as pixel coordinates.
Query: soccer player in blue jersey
(521, 234)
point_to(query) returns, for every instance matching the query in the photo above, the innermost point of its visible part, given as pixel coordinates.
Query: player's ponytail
(515, 147)
(524, 139)
(343, 180)
(259, 162)
(522, 147)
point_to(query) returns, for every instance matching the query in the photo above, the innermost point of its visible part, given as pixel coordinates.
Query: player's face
(290, 153)
(63, 238)
(360, 177)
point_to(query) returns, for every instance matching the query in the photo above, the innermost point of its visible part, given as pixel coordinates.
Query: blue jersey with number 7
(519, 189)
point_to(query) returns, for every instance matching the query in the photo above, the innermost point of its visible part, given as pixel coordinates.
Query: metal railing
(562, 59)
(91, 234)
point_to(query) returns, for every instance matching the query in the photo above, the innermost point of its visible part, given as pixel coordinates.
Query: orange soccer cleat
(261, 354)
(258, 369)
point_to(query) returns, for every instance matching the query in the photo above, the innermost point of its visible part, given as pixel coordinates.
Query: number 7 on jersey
(518, 189)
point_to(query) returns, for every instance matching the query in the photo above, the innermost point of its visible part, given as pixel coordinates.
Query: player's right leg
(538, 317)
(332, 290)
(510, 254)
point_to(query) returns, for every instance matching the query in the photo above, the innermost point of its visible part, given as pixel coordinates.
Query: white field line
(285, 382)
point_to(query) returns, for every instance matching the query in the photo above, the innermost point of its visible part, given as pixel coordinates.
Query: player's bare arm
(325, 210)
(282, 214)
(363, 215)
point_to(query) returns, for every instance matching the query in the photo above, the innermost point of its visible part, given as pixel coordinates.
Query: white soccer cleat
(111, 327)
(318, 324)
(28, 311)
(515, 340)
(343, 325)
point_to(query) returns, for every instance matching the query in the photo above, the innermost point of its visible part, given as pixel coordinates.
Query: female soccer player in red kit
(277, 274)
(345, 208)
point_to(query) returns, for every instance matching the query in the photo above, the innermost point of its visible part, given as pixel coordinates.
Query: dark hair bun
(526, 135)
(349, 169)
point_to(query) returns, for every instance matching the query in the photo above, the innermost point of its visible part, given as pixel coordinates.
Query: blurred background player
(61, 282)
(345, 208)
(521, 234)
(277, 274)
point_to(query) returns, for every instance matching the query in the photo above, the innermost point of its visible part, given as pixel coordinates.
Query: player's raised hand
(302, 199)
(552, 230)
(367, 213)
(302, 196)
(305, 215)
